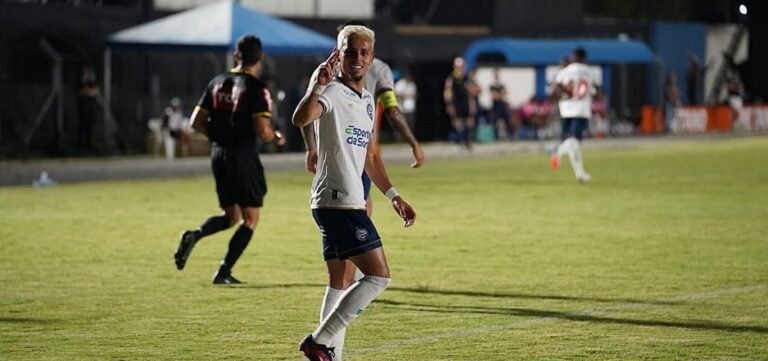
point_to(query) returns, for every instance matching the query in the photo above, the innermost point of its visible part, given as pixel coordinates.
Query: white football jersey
(343, 132)
(379, 77)
(581, 81)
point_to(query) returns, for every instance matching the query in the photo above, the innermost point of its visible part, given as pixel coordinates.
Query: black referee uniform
(233, 100)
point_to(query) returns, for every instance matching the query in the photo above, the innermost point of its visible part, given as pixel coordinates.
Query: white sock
(563, 148)
(330, 300)
(572, 148)
(351, 304)
(358, 274)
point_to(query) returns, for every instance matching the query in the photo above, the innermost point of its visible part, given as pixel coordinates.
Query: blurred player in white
(342, 112)
(575, 86)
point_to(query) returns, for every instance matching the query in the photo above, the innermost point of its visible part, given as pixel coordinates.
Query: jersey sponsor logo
(227, 97)
(361, 234)
(350, 93)
(357, 136)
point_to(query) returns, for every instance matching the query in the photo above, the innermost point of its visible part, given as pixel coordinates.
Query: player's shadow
(510, 295)
(583, 316)
(518, 295)
(276, 285)
(27, 320)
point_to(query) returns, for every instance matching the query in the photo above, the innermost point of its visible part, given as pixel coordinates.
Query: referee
(234, 113)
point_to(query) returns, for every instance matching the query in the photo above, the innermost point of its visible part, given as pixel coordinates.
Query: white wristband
(391, 193)
(318, 89)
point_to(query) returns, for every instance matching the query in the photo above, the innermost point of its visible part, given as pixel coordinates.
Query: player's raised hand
(327, 69)
(404, 210)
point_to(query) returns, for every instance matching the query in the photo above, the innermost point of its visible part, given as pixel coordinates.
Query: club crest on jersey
(357, 136)
(361, 234)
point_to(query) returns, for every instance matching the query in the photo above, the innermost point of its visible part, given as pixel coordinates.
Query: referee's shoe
(186, 243)
(225, 279)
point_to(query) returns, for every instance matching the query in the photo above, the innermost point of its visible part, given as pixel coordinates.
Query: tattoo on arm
(397, 120)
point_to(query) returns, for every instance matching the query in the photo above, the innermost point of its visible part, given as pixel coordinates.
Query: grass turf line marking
(388, 346)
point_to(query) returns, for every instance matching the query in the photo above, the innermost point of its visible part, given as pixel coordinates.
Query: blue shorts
(574, 127)
(366, 185)
(346, 232)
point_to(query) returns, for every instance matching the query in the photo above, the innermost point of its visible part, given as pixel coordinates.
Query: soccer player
(342, 113)
(458, 94)
(379, 82)
(575, 86)
(234, 113)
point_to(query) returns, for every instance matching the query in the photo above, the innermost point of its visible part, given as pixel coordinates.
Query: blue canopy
(533, 52)
(217, 26)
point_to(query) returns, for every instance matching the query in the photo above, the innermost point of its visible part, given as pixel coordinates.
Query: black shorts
(574, 127)
(239, 176)
(346, 232)
(462, 109)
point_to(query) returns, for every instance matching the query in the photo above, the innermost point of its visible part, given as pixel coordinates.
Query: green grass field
(664, 256)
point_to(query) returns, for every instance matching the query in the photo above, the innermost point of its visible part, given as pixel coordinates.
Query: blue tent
(217, 26)
(534, 52)
(539, 53)
(214, 27)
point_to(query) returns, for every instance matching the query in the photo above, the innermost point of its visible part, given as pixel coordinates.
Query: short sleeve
(386, 81)
(559, 77)
(261, 102)
(206, 99)
(325, 97)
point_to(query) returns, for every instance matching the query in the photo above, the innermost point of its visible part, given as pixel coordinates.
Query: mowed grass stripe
(503, 245)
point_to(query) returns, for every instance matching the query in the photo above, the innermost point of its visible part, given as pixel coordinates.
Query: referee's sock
(237, 245)
(213, 225)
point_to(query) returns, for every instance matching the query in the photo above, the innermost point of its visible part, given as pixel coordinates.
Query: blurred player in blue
(342, 114)
(234, 113)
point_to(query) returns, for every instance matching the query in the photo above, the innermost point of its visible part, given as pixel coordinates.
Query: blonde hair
(356, 30)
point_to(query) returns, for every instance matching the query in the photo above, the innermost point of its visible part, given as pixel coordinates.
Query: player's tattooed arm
(398, 121)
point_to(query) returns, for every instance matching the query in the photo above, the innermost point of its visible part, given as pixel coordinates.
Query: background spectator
(458, 103)
(671, 100)
(500, 114)
(176, 128)
(88, 107)
(406, 92)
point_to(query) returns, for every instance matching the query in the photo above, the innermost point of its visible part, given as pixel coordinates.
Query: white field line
(465, 332)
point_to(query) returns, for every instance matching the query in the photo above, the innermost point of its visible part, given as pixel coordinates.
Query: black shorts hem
(242, 205)
(353, 252)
